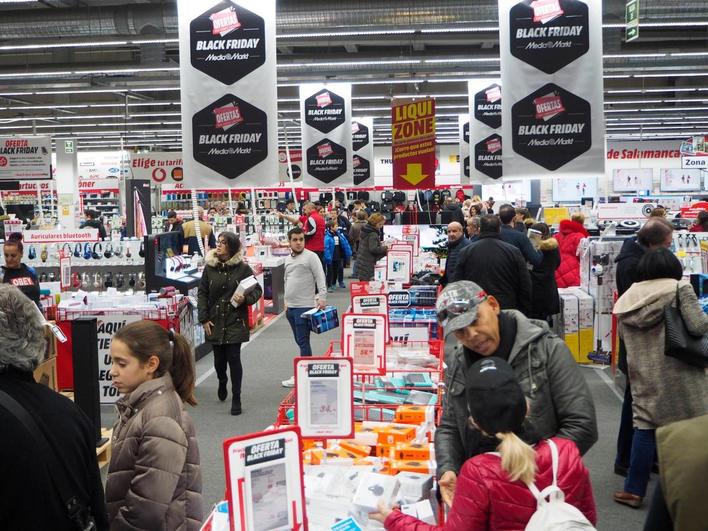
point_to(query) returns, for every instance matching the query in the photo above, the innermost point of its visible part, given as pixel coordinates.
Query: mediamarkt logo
(227, 116)
(224, 22)
(548, 106)
(546, 10)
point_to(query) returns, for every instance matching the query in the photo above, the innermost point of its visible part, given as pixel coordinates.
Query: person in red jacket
(571, 232)
(314, 226)
(701, 224)
(492, 492)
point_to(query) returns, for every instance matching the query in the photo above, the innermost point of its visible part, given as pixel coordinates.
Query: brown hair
(578, 218)
(658, 212)
(376, 218)
(147, 338)
(15, 239)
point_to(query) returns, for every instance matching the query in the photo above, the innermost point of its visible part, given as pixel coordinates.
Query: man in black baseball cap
(559, 398)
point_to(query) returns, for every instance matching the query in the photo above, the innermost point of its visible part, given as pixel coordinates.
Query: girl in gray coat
(664, 389)
(154, 481)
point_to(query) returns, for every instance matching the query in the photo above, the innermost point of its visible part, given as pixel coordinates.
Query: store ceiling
(99, 70)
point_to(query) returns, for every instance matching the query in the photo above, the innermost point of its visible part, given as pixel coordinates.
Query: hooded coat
(217, 286)
(664, 389)
(370, 251)
(544, 293)
(154, 480)
(560, 401)
(569, 236)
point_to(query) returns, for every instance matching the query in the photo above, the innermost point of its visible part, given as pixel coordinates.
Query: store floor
(267, 360)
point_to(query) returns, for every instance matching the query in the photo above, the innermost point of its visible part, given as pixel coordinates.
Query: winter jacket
(23, 278)
(626, 264)
(189, 233)
(370, 251)
(344, 246)
(217, 286)
(456, 214)
(499, 269)
(519, 240)
(569, 237)
(485, 499)
(28, 499)
(683, 471)
(664, 389)
(154, 480)
(453, 253)
(314, 227)
(95, 224)
(697, 228)
(354, 234)
(545, 300)
(560, 402)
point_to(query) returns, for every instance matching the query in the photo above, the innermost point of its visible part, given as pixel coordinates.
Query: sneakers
(330, 289)
(343, 285)
(290, 382)
(625, 498)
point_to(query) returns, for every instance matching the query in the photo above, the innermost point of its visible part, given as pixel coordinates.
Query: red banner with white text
(413, 143)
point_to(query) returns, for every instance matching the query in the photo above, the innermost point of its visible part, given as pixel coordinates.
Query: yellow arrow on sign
(414, 174)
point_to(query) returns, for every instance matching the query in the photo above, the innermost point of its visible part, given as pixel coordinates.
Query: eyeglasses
(459, 307)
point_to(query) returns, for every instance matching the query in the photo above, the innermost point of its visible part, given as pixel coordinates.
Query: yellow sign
(553, 216)
(414, 174)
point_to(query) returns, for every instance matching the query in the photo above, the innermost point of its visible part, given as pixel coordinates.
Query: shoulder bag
(76, 510)
(679, 342)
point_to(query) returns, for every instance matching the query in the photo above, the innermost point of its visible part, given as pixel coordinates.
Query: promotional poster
(326, 121)
(413, 143)
(485, 141)
(464, 156)
(25, 158)
(551, 69)
(363, 147)
(228, 92)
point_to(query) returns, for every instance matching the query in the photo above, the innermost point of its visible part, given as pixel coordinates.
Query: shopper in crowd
(154, 479)
(492, 491)
(305, 288)
(455, 211)
(473, 228)
(29, 498)
(93, 221)
(545, 302)
(343, 220)
(510, 235)
(489, 205)
(522, 214)
(16, 272)
(290, 207)
(371, 250)
(701, 224)
(355, 234)
(456, 242)
(560, 403)
(664, 389)
(658, 212)
(313, 225)
(225, 325)
(496, 266)
(191, 239)
(571, 232)
(679, 499)
(337, 252)
(174, 224)
(656, 233)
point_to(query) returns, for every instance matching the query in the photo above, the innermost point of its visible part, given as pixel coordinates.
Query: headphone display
(118, 250)
(44, 254)
(32, 253)
(87, 251)
(95, 255)
(77, 250)
(64, 249)
(120, 280)
(108, 280)
(141, 252)
(131, 280)
(109, 250)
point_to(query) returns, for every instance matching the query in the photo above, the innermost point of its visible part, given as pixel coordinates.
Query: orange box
(313, 456)
(411, 414)
(414, 452)
(422, 467)
(365, 461)
(359, 450)
(385, 450)
(396, 434)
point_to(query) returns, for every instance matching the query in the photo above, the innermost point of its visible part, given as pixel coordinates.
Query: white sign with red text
(99, 184)
(158, 167)
(60, 236)
(25, 158)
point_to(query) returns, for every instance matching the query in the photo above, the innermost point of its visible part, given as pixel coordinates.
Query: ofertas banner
(25, 158)
(464, 156)
(551, 66)
(160, 168)
(485, 142)
(413, 143)
(363, 146)
(229, 93)
(326, 118)
(295, 161)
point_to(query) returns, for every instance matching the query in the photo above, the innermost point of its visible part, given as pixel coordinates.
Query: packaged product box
(360, 450)
(411, 414)
(415, 452)
(375, 488)
(46, 373)
(421, 467)
(414, 486)
(387, 451)
(586, 324)
(569, 318)
(397, 434)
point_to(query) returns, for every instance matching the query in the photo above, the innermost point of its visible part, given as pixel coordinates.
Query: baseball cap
(494, 397)
(457, 305)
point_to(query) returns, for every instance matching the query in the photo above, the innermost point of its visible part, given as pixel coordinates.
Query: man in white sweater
(305, 287)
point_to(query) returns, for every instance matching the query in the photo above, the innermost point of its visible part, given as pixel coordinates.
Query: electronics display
(678, 180)
(166, 266)
(508, 191)
(632, 179)
(428, 234)
(570, 189)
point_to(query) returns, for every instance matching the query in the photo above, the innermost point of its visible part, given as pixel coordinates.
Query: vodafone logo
(159, 175)
(3, 161)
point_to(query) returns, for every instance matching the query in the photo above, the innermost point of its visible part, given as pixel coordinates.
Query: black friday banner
(551, 68)
(485, 139)
(326, 122)
(463, 121)
(228, 93)
(363, 148)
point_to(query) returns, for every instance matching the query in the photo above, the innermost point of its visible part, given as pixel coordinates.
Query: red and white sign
(546, 10)
(325, 150)
(493, 145)
(324, 99)
(691, 212)
(224, 22)
(548, 106)
(160, 167)
(60, 236)
(227, 116)
(25, 158)
(112, 185)
(493, 94)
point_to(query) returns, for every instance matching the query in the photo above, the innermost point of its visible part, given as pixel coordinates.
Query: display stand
(274, 285)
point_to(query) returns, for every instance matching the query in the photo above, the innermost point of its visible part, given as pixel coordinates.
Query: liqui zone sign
(413, 143)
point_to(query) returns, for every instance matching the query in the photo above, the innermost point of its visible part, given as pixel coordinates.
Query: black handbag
(679, 342)
(76, 510)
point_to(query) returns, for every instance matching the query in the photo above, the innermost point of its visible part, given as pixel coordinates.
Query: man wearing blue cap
(559, 398)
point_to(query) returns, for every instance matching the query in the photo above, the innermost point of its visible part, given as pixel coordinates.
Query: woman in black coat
(371, 250)
(225, 325)
(545, 302)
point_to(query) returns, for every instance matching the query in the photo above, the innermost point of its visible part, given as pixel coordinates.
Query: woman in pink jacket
(492, 492)
(569, 236)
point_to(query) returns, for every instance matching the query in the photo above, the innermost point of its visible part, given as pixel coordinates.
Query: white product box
(586, 322)
(569, 321)
(414, 486)
(375, 488)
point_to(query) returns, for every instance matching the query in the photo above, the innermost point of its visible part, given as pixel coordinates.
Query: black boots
(222, 393)
(235, 406)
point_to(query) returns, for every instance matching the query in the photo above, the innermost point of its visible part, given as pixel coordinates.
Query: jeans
(301, 329)
(626, 431)
(229, 354)
(334, 272)
(643, 450)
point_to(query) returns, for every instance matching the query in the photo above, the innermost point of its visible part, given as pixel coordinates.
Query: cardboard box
(375, 488)
(586, 325)
(569, 322)
(414, 486)
(396, 434)
(415, 452)
(411, 414)
(360, 450)
(46, 373)
(421, 467)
